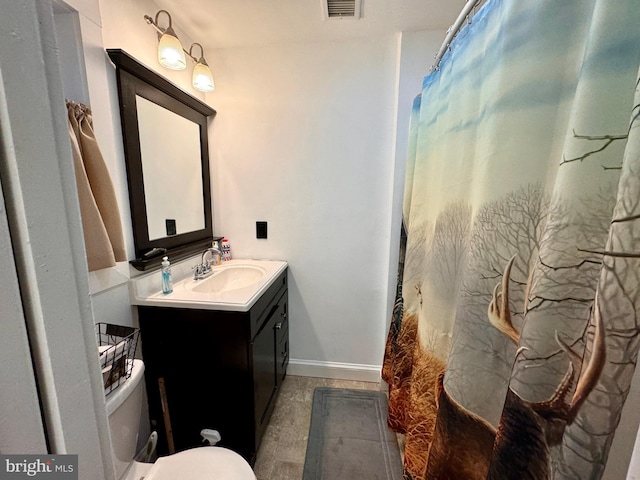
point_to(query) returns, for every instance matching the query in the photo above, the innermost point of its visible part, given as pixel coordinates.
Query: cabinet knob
(278, 326)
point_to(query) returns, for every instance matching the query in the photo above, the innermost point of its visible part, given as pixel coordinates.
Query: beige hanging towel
(103, 238)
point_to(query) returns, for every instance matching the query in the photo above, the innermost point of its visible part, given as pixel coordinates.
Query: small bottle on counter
(226, 250)
(216, 254)
(167, 284)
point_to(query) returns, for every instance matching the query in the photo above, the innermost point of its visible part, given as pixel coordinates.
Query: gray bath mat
(349, 438)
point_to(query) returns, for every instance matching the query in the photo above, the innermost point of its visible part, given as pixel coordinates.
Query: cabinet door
(282, 340)
(264, 371)
(202, 357)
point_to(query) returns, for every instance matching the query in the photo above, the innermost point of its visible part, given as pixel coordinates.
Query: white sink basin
(234, 285)
(228, 278)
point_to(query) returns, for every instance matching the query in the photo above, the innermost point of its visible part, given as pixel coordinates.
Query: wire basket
(117, 347)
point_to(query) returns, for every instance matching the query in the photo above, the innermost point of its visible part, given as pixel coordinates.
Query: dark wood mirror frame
(136, 79)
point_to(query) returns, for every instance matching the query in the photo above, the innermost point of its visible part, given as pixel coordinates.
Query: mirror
(169, 167)
(166, 150)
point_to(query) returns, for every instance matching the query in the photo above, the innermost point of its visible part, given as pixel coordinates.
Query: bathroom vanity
(215, 349)
(214, 368)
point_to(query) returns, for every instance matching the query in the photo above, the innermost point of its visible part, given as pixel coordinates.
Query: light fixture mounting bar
(150, 21)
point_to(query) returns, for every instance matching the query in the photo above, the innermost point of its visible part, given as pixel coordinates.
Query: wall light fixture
(171, 55)
(170, 51)
(202, 77)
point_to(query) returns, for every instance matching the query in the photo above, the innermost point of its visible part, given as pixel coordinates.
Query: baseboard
(341, 371)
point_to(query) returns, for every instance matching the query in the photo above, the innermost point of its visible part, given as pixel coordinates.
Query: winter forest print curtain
(515, 337)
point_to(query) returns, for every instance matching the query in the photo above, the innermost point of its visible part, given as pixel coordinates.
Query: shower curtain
(515, 334)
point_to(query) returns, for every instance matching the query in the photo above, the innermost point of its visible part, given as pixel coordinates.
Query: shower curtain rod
(465, 15)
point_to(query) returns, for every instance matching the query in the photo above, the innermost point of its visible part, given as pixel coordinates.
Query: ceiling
(241, 23)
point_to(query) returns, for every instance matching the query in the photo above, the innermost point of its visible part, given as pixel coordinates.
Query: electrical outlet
(261, 229)
(170, 223)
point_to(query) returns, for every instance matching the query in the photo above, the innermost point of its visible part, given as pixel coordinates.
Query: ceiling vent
(341, 9)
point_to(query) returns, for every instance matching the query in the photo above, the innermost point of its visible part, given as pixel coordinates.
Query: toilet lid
(202, 463)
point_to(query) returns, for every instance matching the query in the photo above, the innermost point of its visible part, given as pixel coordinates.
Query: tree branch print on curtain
(587, 442)
(512, 224)
(519, 331)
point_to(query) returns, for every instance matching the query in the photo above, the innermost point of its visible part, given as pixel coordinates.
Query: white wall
(416, 51)
(305, 139)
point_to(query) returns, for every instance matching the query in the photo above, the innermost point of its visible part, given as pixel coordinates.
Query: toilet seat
(202, 463)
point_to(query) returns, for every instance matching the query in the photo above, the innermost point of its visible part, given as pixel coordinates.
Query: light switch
(261, 229)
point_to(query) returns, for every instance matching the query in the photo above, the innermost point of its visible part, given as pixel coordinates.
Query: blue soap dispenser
(167, 285)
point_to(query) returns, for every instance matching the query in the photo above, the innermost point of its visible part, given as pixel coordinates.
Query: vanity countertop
(235, 285)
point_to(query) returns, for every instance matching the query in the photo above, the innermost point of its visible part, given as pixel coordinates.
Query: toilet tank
(124, 407)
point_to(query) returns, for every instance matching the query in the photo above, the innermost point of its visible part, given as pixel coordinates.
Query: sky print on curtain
(516, 152)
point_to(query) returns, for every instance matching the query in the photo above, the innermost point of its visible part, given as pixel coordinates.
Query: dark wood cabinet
(215, 369)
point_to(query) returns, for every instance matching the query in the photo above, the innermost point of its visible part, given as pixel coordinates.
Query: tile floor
(284, 445)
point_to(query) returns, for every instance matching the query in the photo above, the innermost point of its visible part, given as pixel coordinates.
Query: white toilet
(123, 409)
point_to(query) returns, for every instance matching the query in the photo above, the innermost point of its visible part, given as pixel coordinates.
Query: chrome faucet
(204, 269)
(211, 251)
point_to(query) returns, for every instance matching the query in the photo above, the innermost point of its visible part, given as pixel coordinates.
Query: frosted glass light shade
(202, 77)
(170, 53)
